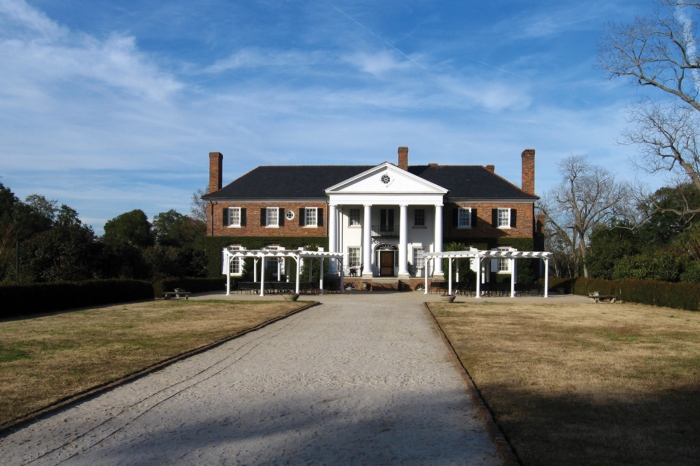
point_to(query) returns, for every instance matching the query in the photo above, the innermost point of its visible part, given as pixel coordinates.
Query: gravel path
(362, 379)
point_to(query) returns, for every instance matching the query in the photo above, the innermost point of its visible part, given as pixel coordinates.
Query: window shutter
(513, 217)
(263, 217)
(226, 218)
(474, 217)
(319, 217)
(242, 217)
(280, 217)
(455, 217)
(494, 218)
(302, 217)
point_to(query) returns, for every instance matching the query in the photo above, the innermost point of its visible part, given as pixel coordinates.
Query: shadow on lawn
(599, 429)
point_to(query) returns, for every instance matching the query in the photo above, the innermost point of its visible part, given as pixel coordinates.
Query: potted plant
(447, 298)
(291, 296)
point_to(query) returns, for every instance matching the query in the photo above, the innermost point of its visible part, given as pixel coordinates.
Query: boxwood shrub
(37, 298)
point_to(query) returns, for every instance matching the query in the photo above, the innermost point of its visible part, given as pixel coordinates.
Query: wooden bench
(597, 298)
(176, 294)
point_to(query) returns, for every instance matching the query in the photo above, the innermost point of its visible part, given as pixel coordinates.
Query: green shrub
(691, 272)
(662, 266)
(37, 298)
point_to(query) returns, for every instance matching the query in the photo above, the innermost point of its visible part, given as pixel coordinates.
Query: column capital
(367, 205)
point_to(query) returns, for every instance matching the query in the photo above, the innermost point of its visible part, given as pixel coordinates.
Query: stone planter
(447, 298)
(291, 297)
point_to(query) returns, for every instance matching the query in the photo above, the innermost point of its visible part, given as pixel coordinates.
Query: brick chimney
(529, 171)
(491, 168)
(403, 158)
(216, 162)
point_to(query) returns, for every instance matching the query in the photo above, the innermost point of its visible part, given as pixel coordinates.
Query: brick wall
(524, 225)
(253, 225)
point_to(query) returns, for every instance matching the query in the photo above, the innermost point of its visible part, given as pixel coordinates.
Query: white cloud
(379, 63)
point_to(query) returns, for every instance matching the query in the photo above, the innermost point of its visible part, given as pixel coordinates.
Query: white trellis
(512, 255)
(296, 254)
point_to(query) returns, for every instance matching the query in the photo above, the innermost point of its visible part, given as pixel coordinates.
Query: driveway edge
(505, 450)
(99, 389)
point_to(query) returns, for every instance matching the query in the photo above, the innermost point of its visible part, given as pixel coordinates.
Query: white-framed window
(464, 217)
(418, 259)
(419, 217)
(503, 217)
(236, 267)
(234, 216)
(354, 217)
(311, 215)
(272, 214)
(353, 256)
(289, 215)
(503, 264)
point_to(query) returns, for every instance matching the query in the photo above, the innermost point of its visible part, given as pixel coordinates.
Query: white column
(403, 243)
(332, 236)
(298, 274)
(367, 241)
(512, 278)
(546, 277)
(426, 264)
(255, 269)
(262, 278)
(279, 269)
(437, 272)
(449, 268)
(320, 280)
(478, 276)
(228, 275)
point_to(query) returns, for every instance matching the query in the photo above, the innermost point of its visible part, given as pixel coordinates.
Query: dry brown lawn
(44, 359)
(585, 384)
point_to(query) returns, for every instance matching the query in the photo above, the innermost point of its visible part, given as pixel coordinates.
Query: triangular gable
(386, 178)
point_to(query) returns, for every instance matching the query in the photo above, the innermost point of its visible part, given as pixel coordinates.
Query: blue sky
(110, 106)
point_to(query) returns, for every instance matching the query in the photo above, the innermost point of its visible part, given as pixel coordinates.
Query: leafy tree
(174, 229)
(662, 266)
(68, 251)
(607, 246)
(120, 259)
(132, 227)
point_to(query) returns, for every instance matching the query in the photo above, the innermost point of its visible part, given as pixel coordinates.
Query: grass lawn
(43, 359)
(583, 384)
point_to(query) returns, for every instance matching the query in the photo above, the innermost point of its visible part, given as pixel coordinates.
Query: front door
(386, 263)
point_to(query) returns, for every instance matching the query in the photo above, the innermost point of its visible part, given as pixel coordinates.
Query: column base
(404, 276)
(439, 277)
(367, 276)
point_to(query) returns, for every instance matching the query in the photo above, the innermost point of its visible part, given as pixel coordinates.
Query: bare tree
(198, 206)
(588, 196)
(660, 52)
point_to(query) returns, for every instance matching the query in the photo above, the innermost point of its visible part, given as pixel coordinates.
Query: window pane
(234, 216)
(418, 258)
(464, 218)
(420, 217)
(503, 217)
(311, 216)
(272, 214)
(354, 257)
(354, 217)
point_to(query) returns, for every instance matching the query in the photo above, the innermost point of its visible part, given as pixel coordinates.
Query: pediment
(386, 178)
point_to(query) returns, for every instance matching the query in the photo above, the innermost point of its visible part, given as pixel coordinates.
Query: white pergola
(296, 254)
(512, 255)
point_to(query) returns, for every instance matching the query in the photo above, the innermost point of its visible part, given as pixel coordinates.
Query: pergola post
(449, 268)
(512, 277)
(546, 277)
(320, 276)
(296, 288)
(478, 276)
(426, 265)
(255, 270)
(262, 277)
(228, 275)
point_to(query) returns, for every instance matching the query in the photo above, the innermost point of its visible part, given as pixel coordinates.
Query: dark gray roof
(311, 181)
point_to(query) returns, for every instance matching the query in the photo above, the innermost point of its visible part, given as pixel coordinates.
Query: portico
(385, 212)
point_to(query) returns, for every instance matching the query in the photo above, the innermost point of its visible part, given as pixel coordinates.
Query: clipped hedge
(681, 295)
(194, 285)
(37, 298)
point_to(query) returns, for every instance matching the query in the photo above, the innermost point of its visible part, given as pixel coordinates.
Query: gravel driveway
(362, 379)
